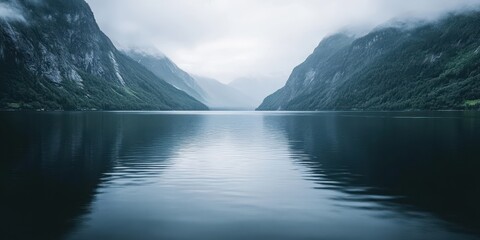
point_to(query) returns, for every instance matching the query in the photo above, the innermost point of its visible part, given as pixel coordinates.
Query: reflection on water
(239, 175)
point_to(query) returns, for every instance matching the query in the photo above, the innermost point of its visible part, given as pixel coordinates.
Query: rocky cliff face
(54, 56)
(398, 67)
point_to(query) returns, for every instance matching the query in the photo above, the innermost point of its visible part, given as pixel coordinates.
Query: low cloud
(9, 12)
(230, 39)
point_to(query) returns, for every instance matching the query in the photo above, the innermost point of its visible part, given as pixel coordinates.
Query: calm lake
(240, 175)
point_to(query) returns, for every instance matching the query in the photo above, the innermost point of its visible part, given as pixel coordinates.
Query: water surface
(240, 175)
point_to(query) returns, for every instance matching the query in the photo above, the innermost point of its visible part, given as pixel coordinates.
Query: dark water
(239, 175)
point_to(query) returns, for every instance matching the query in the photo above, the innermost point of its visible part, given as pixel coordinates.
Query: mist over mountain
(54, 56)
(214, 94)
(256, 88)
(229, 40)
(428, 66)
(136, 119)
(221, 96)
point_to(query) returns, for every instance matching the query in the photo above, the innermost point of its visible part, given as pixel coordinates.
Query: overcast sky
(264, 39)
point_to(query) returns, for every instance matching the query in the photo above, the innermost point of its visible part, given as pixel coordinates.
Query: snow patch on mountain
(432, 58)
(116, 68)
(72, 19)
(309, 76)
(75, 76)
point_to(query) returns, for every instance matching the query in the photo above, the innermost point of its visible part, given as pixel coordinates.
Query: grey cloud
(230, 39)
(10, 12)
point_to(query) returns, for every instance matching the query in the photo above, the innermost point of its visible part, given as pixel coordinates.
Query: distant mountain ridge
(214, 94)
(221, 96)
(257, 88)
(432, 66)
(167, 70)
(53, 55)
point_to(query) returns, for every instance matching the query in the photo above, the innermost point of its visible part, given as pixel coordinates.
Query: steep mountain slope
(431, 66)
(223, 97)
(167, 70)
(54, 56)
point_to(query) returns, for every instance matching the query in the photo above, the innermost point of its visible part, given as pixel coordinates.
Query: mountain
(429, 66)
(167, 70)
(53, 55)
(257, 89)
(224, 97)
(209, 91)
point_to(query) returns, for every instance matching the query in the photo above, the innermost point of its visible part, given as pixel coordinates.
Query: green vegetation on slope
(432, 66)
(60, 60)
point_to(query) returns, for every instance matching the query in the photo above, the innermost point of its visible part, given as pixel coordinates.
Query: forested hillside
(429, 66)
